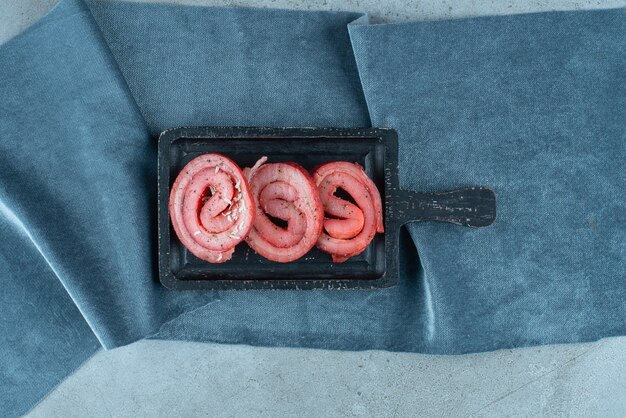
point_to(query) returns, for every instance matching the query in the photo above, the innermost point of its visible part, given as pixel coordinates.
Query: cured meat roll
(284, 191)
(348, 227)
(211, 207)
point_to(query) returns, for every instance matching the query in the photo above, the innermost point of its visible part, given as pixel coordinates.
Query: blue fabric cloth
(190, 66)
(531, 105)
(535, 107)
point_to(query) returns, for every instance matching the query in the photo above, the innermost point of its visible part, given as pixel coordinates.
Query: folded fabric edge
(56, 13)
(43, 20)
(62, 10)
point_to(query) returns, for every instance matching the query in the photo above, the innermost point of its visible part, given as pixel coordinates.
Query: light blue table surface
(160, 378)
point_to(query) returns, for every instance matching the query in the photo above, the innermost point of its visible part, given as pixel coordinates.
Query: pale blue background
(138, 380)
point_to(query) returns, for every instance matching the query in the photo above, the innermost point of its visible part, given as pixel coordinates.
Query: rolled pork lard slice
(284, 191)
(348, 227)
(211, 207)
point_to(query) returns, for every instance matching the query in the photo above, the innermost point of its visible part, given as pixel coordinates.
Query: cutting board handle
(471, 206)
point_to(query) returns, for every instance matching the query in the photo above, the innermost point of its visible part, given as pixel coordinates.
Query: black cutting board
(375, 149)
